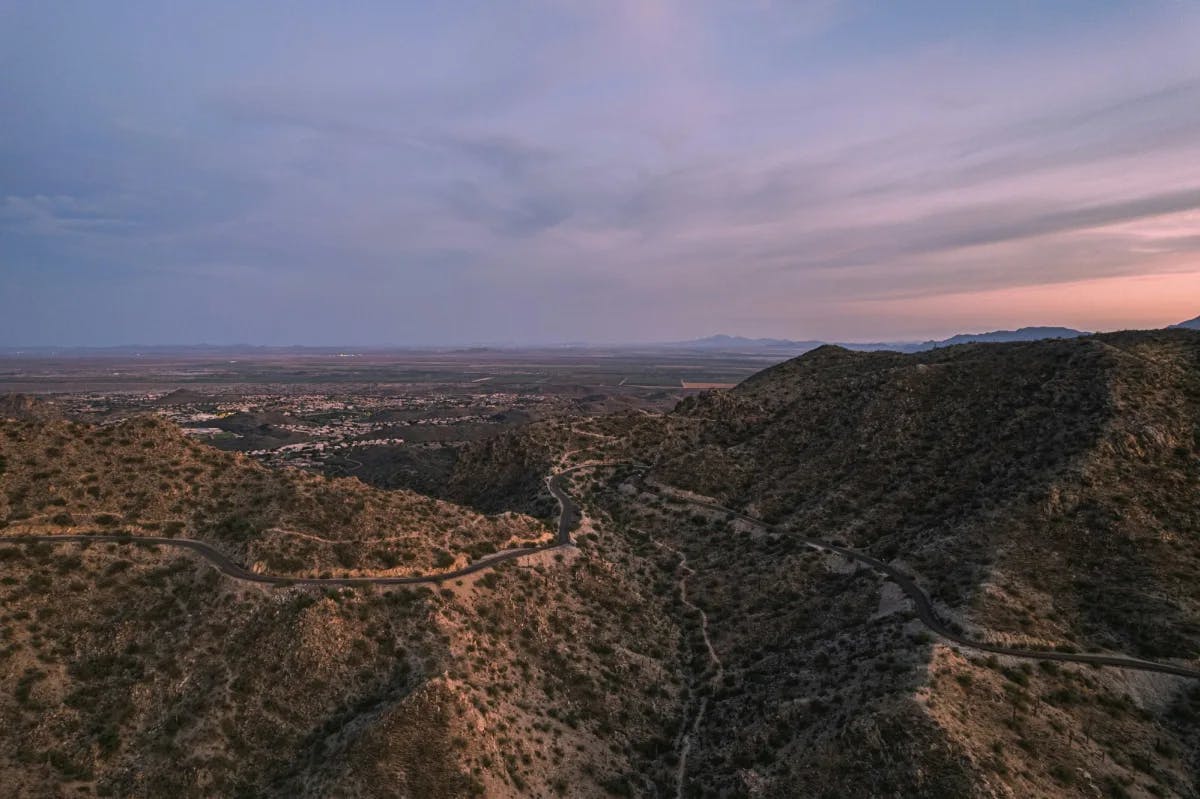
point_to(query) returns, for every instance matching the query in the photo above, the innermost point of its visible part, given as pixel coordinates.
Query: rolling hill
(143, 476)
(133, 667)
(695, 642)
(1043, 494)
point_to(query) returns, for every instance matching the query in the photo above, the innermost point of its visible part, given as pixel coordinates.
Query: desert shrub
(235, 528)
(67, 767)
(481, 548)
(617, 786)
(109, 739)
(346, 555)
(1062, 774)
(68, 563)
(24, 686)
(117, 566)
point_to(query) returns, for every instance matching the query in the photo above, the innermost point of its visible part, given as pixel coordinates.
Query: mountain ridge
(1039, 493)
(731, 343)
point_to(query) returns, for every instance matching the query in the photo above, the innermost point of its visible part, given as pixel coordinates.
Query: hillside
(1043, 494)
(136, 669)
(1191, 324)
(962, 457)
(145, 477)
(132, 671)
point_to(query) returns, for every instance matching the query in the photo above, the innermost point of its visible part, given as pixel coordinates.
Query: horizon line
(346, 348)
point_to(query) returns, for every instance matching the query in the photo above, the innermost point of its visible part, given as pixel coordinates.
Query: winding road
(929, 617)
(225, 565)
(568, 517)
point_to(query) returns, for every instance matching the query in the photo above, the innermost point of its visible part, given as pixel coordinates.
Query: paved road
(568, 509)
(230, 568)
(929, 617)
(568, 517)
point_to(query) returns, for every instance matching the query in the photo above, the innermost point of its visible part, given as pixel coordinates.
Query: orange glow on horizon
(1110, 303)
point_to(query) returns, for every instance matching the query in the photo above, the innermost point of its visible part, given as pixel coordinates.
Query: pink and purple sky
(541, 171)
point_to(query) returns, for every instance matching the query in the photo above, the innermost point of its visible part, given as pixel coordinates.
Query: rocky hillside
(145, 477)
(1071, 466)
(136, 669)
(1044, 494)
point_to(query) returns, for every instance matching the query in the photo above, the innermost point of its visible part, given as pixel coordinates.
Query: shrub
(25, 685)
(1063, 774)
(235, 528)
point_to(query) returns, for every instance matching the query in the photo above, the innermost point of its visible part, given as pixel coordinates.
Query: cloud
(762, 166)
(978, 227)
(60, 215)
(520, 216)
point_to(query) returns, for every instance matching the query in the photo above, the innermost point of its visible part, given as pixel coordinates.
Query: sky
(547, 171)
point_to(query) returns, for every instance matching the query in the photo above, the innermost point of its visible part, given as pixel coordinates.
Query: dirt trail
(688, 732)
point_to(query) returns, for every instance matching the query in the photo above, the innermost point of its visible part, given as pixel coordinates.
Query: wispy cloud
(660, 168)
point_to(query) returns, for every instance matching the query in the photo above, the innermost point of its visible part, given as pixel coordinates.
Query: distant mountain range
(725, 343)
(717, 343)
(1020, 334)
(1191, 324)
